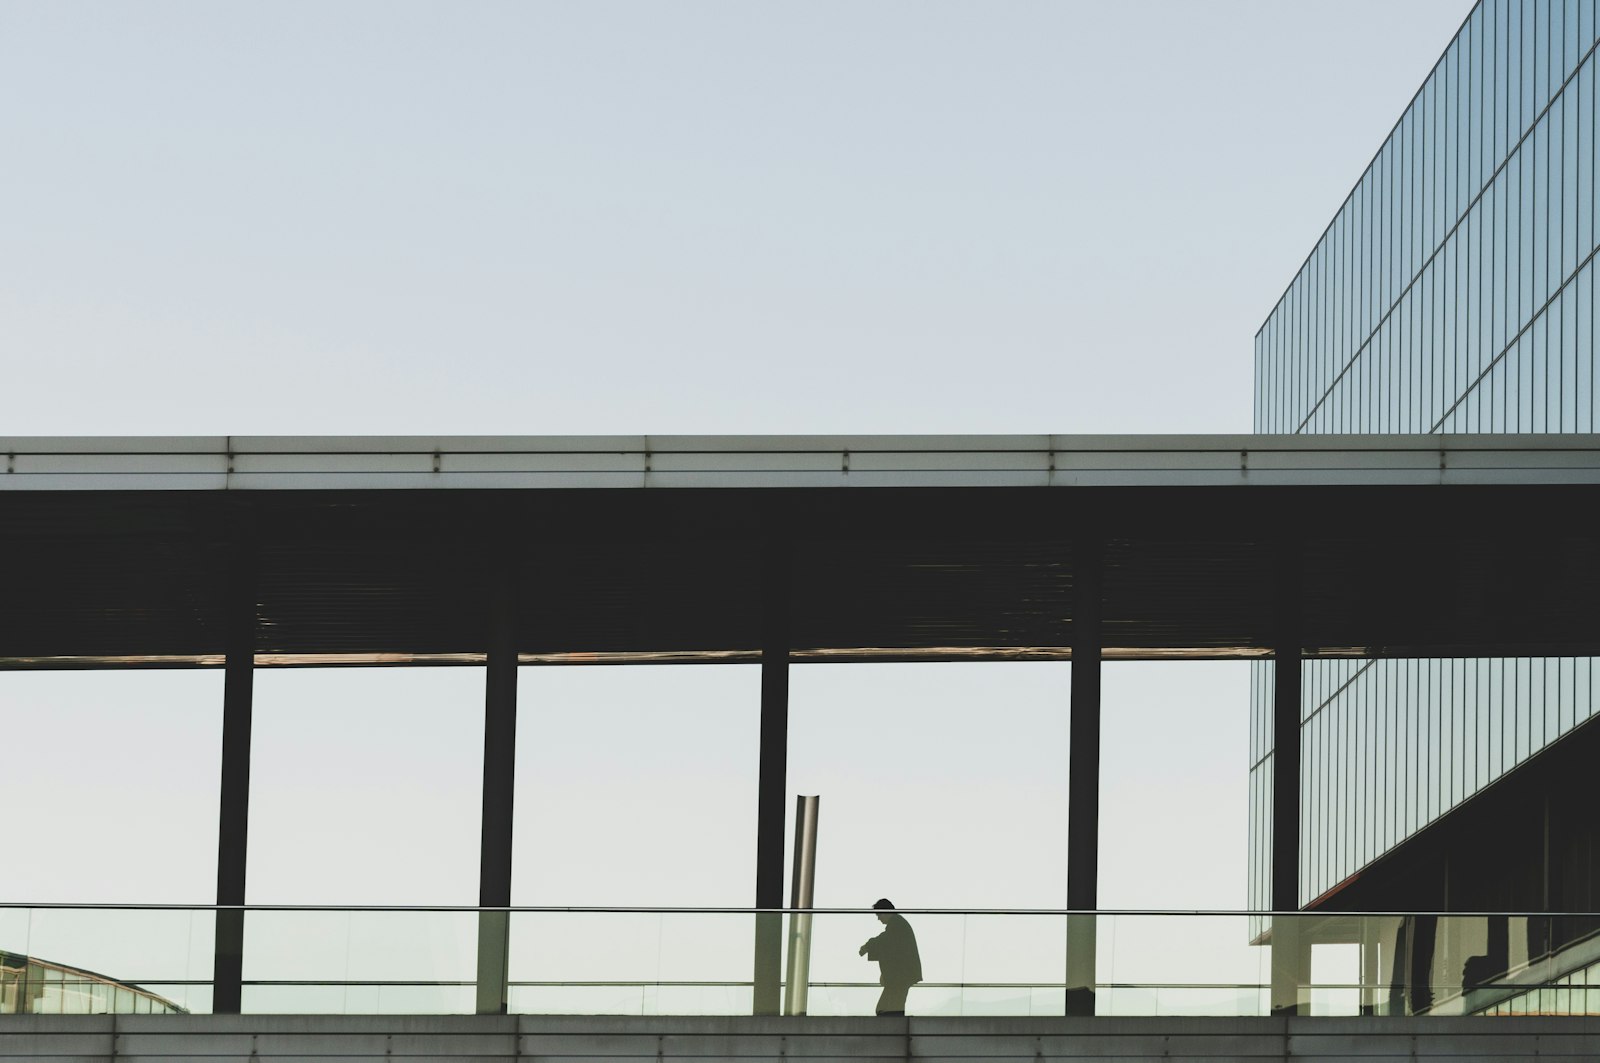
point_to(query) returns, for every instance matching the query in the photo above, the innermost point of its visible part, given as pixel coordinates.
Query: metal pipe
(802, 894)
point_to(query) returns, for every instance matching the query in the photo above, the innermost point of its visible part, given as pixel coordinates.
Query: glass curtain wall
(1454, 291)
(1389, 746)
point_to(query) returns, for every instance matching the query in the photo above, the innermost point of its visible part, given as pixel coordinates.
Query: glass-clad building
(1453, 292)
(31, 986)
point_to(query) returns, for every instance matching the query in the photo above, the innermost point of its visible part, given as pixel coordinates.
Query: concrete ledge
(596, 1039)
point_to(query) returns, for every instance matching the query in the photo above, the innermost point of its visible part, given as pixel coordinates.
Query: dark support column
(499, 776)
(1369, 935)
(233, 820)
(772, 786)
(1083, 778)
(1286, 780)
(1288, 951)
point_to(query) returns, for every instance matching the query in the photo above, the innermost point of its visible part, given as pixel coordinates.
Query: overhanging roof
(386, 550)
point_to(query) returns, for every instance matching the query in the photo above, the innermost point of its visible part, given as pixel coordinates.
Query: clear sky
(401, 217)
(602, 217)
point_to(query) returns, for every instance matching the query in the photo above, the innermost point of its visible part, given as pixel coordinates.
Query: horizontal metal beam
(343, 463)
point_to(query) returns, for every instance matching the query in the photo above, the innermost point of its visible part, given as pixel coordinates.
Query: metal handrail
(687, 910)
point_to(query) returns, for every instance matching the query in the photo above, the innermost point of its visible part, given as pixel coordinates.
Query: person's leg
(893, 1000)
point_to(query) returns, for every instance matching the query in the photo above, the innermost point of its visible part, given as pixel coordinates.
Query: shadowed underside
(121, 551)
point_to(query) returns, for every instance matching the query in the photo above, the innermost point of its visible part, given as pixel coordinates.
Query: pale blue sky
(600, 217)
(535, 218)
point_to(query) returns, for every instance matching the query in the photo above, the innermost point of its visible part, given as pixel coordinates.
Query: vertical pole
(1398, 966)
(773, 780)
(1286, 780)
(233, 819)
(1287, 946)
(1369, 937)
(499, 777)
(802, 894)
(1083, 778)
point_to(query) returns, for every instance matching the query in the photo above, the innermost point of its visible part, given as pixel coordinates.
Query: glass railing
(91, 960)
(420, 960)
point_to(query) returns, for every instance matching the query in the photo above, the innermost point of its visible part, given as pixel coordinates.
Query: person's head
(884, 907)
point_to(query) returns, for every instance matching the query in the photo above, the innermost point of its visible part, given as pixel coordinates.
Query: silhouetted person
(895, 952)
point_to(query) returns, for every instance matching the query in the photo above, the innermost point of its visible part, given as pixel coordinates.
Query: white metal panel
(909, 460)
(100, 464)
(543, 461)
(1507, 441)
(1344, 477)
(1529, 475)
(1149, 461)
(778, 443)
(952, 478)
(85, 481)
(429, 444)
(747, 461)
(358, 481)
(1157, 441)
(247, 463)
(1521, 458)
(113, 444)
(735, 478)
(1348, 460)
(1148, 478)
(333, 480)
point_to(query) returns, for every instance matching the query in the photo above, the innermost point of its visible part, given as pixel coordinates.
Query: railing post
(233, 819)
(1289, 952)
(499, 778)
(1083, 777)
(773, 778)
(1369, 964)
